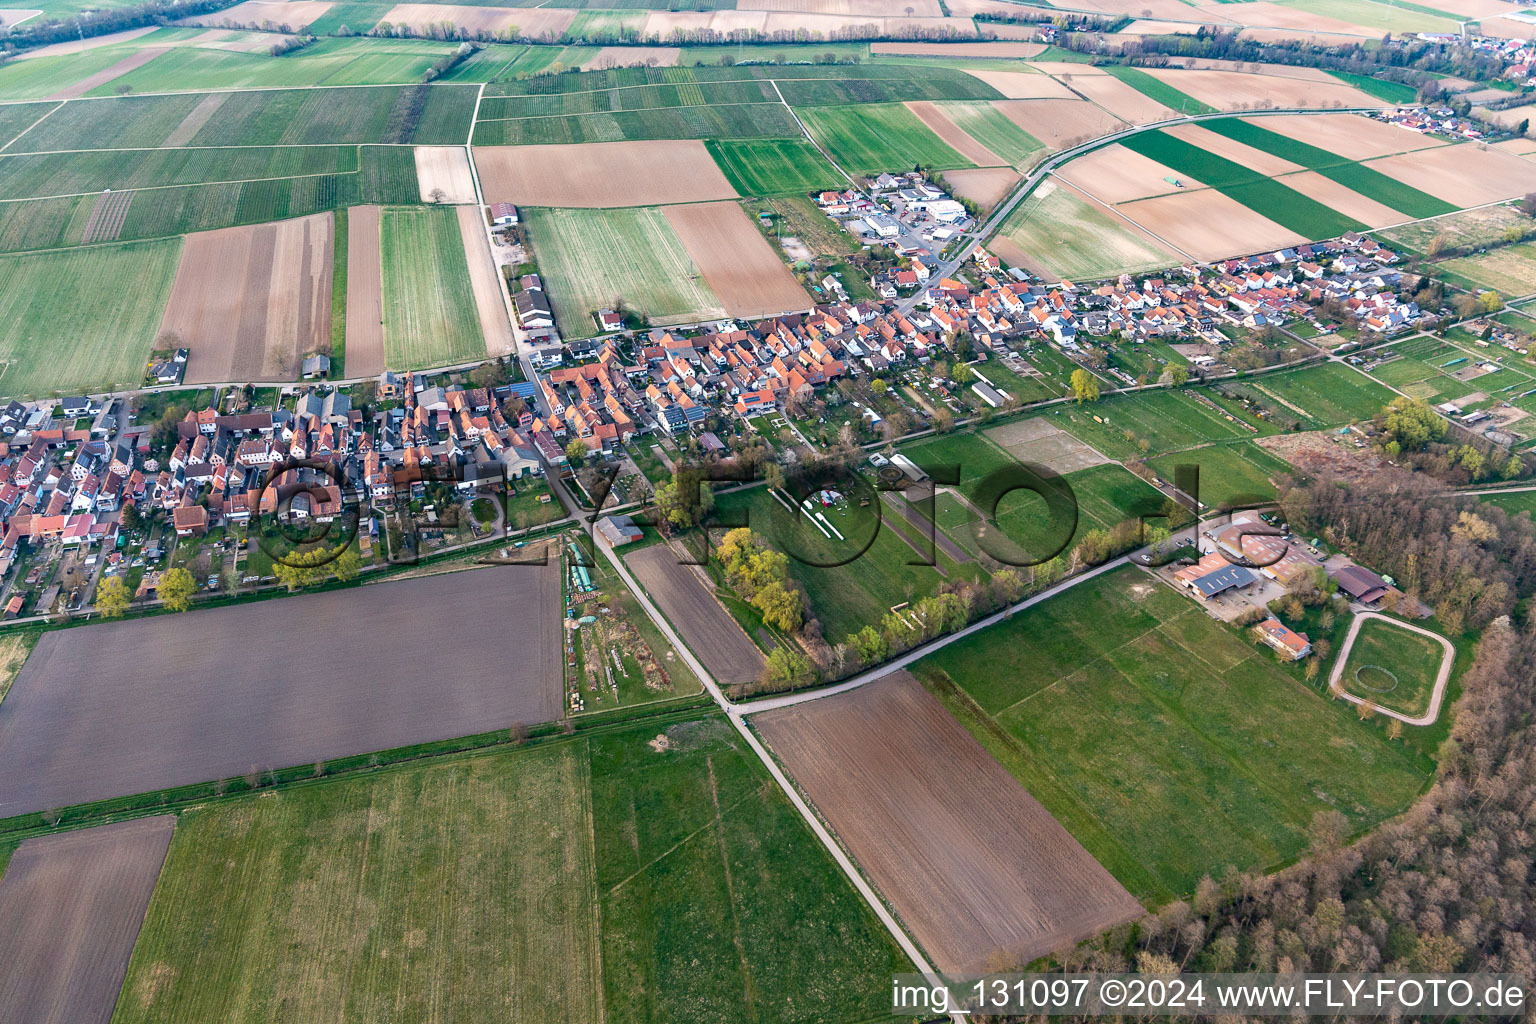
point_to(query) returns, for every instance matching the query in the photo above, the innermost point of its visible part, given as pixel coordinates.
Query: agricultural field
(611, 904)
(1059, 233)
(1128, 712)
(1412, 203)
(970, 847)
(1278, 202)
(587, 260)
(155, 728)
(984, 122)
(421, 114)
(1158, 90)
(82, 320)
(70, 909)
(251, 302)
(873, 138)
(736, 262)
(774, 167)
(730, 656)
(328, 62)
(430, 312)
(1392, 667)
(608, 175)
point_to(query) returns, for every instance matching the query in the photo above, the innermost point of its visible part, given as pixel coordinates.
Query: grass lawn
(429, 311)
(1168, 744)
(575, 881)
(1510, 269)
(1482, 226)
(82, 320)
(870, 138)
(1230, 474)
(1514, 504)
(587, 259)
(1332, 394)
(848, 597)
(766, 167)
(1158, 90)
(1280, 203)
(1161, 419)
(1392, 666)
(1066, 236)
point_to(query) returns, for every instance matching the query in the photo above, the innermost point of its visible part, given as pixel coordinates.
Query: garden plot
(973, 864)
(70, 909)
(251, 302)
(601, 174)
(166, 721)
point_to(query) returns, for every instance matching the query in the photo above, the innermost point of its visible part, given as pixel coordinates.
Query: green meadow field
(1169, 745)
(873, 138)
(587, 258)
(82, 320)
(598, 879)
(771, 167)
(429, 311)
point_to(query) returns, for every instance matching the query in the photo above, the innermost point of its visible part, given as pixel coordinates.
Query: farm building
(1249, 539)
(1361, 584)
(1287, 641)
(618, 530)
(1214, 575)
(503, 215)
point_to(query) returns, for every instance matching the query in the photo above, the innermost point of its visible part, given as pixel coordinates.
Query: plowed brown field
(1467, 175)
(737, 262)
(305, 678)
(484, 282)
(1060, 123)
(1349, 135)
(601, 174)
(706, 627)
(296, 14)
(251, 301)
(529, 23)
(70, 909)
(975, 866)
(445, 170)
(985, 186)
(365, 287)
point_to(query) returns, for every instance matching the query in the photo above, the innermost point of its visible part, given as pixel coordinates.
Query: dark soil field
(129, 707)
(975, 866)
(70, 910)
(728, 653)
